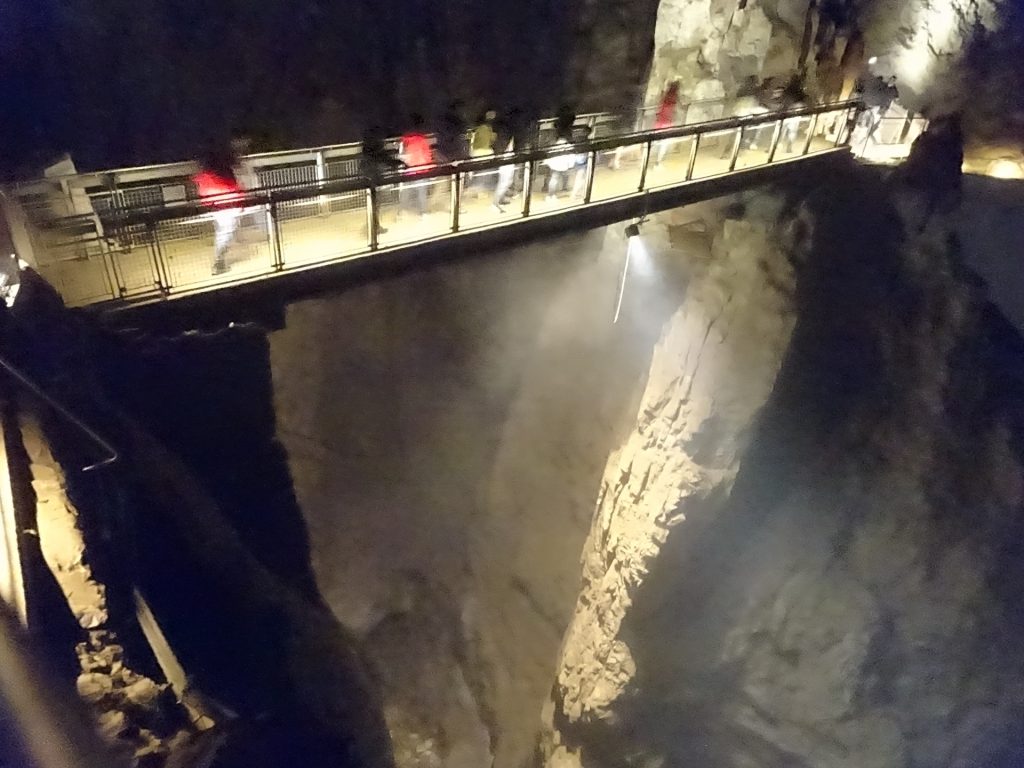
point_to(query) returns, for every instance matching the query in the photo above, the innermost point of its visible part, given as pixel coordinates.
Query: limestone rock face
(697, 41)
(922, 41)
(712, 371)
(807, 553)
(447, 431)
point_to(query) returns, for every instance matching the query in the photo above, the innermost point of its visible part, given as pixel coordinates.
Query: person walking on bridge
(375, 160)
(666, 118)
(221, 194)
(452, 139)
(416, 153)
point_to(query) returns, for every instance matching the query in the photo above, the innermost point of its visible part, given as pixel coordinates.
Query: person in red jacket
(416, 153)
(666, 117)
(220, 192)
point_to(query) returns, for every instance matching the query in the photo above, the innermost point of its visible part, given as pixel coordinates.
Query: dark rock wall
(133, 83)
(208, 397)
(852, 597)
(261, 644)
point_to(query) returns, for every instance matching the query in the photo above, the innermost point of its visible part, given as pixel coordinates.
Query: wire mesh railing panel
(417, 209)
(323, 228)
(287, 175)
(342, 169)
(243, 235)
(78, 270)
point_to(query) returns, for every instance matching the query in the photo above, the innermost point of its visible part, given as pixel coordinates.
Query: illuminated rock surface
(836, 581)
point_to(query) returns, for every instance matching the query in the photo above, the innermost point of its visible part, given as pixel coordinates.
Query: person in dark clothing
(934, 166)
(515, 131)
(452, 135)
(375, 160)
(565, 119)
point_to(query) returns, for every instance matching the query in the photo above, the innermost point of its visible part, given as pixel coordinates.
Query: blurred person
(222, 195)
(580, 179)
(558, 168)
(482, 143)
(505, 140)
(665, 117)
(416, 153)
(376, 160)
(452, 143)
(565, 119)
(934, 167)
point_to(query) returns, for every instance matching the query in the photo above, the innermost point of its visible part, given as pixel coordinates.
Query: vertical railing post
(163, 279)
(591, 170)
(905, 131)
(692, 162)
(274, 230)
(645, 161)
(810, 134)
(528, 170)
(321, 179)
(116, 290)
(776, 136)
(456, 198)
(844, 128)
(736, 148)
(374, 214)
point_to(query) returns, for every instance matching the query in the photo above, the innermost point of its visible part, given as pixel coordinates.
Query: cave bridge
(294, 234)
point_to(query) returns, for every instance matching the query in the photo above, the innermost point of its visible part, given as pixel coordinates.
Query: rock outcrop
(288, 677)
(823, 568)
(712, 46)
(447, 430)
(138, 718)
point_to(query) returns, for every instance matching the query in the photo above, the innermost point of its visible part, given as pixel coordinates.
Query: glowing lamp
(1005, 168)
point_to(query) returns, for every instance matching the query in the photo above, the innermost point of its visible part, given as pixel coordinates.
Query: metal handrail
(285, 193)
(34, 388)
(144, 236)
(183, 168)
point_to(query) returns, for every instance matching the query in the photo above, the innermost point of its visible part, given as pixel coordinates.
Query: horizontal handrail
(149, 215)
(34, 388)
(160, 250)
(156, 171)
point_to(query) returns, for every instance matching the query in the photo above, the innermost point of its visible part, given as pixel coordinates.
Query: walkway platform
(293, 234)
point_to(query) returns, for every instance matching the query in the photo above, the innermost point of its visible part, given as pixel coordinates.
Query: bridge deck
(172, 256)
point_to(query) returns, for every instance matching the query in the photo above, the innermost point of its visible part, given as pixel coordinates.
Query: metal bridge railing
(150, 251)
(124, 188)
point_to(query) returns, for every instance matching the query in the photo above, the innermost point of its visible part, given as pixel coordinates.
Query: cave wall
(255, 642)
(711, 46)
(446, 431)
(828, 574)
(93, 79)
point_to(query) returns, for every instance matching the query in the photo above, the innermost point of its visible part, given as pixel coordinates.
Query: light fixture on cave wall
(635, 249)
